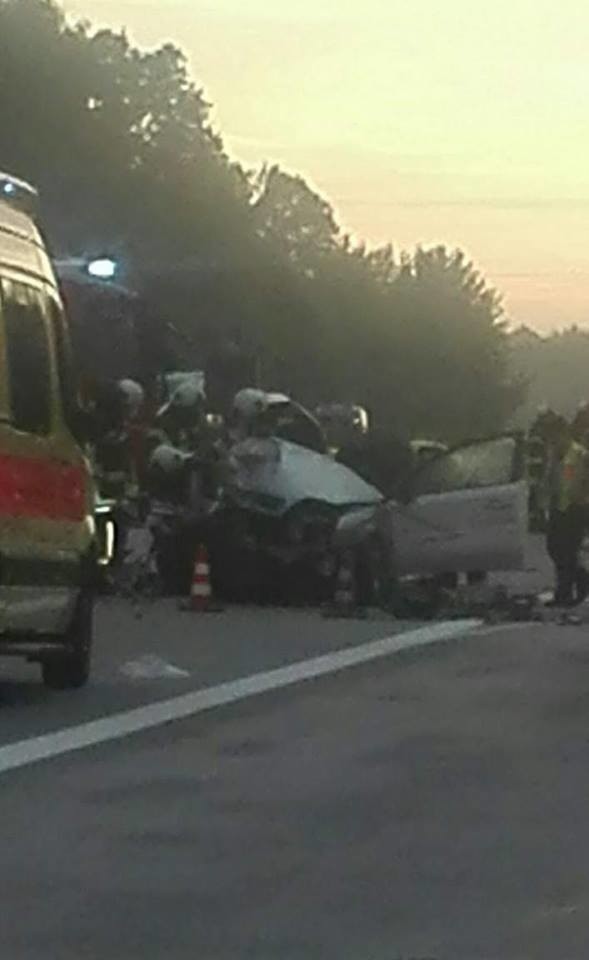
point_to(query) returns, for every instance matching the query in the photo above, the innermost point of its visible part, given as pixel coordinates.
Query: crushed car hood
(291, 473)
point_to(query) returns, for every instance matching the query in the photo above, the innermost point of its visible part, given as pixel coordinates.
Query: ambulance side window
(68, 387)
(27, 358)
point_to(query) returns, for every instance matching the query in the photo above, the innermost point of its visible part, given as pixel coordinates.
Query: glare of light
(8, 188)
(103, 269)
(110, 540)
(108, 553)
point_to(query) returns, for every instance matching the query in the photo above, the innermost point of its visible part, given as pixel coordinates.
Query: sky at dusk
(455, 122)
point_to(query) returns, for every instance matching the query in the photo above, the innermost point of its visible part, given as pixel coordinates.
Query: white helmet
(186, 390)
(168, 459)
(188, 394)
(249, 402)
(133, 395)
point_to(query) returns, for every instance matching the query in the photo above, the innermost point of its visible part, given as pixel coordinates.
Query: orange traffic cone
(200, 588)
(201, 593)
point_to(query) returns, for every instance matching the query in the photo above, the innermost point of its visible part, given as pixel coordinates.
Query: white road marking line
(487, 630)
(120, 725)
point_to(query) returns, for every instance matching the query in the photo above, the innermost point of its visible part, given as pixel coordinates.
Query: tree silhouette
(120, 143)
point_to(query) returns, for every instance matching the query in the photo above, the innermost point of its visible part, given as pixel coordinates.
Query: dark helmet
(580, 422)
(557, 429)
(547, 424)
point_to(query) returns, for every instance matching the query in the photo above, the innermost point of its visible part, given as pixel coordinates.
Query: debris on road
(152, 667)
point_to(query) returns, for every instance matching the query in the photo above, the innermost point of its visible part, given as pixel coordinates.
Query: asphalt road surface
(427, 804)
(135, 659)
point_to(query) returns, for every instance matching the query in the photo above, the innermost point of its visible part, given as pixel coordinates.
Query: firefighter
(248, 406)
(538, 448)
(183, 415)
(135, 432)
(184, 472)
(568, 475)
(580, 425)
(118, 405)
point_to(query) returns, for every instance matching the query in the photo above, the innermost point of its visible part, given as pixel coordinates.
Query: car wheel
(70, 669)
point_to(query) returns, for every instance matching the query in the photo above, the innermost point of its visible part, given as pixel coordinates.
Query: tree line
(120, 143)
(555, 369)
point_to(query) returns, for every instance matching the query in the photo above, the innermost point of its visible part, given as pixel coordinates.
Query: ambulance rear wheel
(70, 669)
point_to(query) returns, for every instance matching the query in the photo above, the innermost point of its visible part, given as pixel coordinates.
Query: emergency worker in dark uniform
(569, 495)
(538, 454)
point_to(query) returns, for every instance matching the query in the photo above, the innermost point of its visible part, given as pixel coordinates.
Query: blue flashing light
(18, 193)
(102, 269)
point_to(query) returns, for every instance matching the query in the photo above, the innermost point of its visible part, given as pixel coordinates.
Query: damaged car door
(468, 511)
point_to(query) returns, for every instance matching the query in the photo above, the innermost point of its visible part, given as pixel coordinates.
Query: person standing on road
(538, 450)
(567, 523)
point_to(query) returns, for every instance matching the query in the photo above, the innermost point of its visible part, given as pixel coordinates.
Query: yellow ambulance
(47, 531)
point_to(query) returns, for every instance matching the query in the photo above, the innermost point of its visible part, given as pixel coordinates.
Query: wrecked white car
(281, 505)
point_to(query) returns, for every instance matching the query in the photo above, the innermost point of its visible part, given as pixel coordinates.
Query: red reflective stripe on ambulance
(41, 488)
